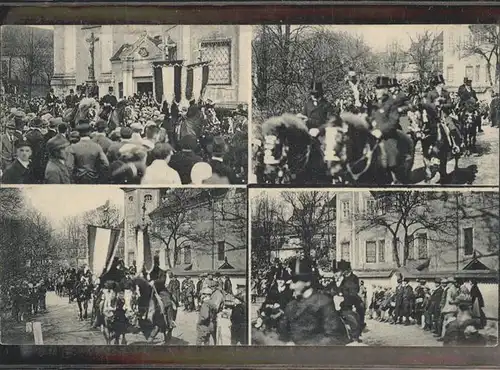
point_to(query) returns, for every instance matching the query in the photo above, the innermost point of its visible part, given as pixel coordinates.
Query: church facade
(124, 56)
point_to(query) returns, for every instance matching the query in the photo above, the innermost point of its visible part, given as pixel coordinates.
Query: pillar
(185, 44)
(128, 80)
(244, 69)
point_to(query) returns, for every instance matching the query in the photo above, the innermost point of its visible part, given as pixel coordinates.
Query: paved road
(60, 325)
(480, 168)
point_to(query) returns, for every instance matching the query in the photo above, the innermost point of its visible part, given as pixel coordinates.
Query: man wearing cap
(108, 103)
(56, 171)
(310, 318)
(8, 144)
(20, 171)
(37, 142)
(100, 136)
(218, 150)
(71, 100)
(86, 158)
(184, 160)
(317, 109)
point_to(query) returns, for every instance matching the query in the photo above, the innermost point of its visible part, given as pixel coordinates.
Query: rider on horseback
(108, 103)
(317, 110)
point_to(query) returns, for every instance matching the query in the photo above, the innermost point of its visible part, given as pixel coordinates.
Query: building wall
(455, 64)
(72, 56)
(441, 249)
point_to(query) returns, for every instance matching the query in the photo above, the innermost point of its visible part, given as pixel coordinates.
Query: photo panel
(394, 268)
(375, 105)
(125, 104)
(137, 266)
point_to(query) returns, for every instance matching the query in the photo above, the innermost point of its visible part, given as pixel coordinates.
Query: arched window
(148, 198)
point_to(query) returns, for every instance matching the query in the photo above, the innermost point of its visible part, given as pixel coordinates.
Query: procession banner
(102, 245)
(166, 80)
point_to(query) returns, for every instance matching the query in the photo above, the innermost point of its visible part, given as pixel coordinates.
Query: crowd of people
(452, 309)
(311, 145)
(302, 307)
(85, 140)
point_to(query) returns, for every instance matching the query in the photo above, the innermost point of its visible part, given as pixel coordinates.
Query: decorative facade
(124, 54)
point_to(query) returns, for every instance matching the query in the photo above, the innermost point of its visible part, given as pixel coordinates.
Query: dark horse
(355, 156)
(120, 115)
(468, 127)
(288, 154)
(135, 306)
(83, 295)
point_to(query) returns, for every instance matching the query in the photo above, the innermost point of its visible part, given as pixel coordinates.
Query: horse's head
(286, 144)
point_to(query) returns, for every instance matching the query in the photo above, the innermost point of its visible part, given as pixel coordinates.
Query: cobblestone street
(60, 325)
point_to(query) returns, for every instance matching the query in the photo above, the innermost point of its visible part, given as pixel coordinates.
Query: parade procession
(374, 268)
(373, 117)
(113, 128)
(80, 278)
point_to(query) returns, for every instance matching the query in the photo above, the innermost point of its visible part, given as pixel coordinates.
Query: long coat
(37, 142)
(16, 173)
(56, 172)
(8, 150)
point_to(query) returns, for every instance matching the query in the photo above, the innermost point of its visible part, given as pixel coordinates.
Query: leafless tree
(484, 41)
(425, 52)
(409, 213)
(394, 59)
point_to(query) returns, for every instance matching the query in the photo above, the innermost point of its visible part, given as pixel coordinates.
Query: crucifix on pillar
(92, 40)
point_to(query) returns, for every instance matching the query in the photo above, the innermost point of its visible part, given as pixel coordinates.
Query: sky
(60, 202)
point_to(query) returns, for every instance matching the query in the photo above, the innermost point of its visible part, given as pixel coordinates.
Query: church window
(381, 250)
(221, 250)
(219, 55)
(422, 245)
(187, 254)
(449, 74)
(345, 251)
(346, 209)
(468, 241)
(371, 252)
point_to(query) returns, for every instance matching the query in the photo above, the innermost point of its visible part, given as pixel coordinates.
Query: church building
(124, 56)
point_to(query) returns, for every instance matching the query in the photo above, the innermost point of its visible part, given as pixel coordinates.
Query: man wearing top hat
(310, 318)
(317, 109)
(51, 99)
(466, 92)
(20, 171)
(438, 96)
(71, 100)
(108, 103)
(349, 287)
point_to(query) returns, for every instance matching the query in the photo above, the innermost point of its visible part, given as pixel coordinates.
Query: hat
(343, 265)
(71, 90)
(151, 123)
(302, 269)
(136, 126)
(206, 291)
(22, 143)
(110, 88)
(218, 145)
(156, 258)
(421, 281)
(101, 124)
(450, 280)
(126, 132)
(382, 82)
(18, 113)
(57, 142)
(83, 126)
(467, 79)
(317, 87)
(37, 122)
(393, 82)
(438, 79)
(283, 274)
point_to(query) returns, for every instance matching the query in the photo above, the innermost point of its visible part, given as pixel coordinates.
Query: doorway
(144, 87)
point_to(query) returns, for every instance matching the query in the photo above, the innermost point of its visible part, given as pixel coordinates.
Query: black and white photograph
(125, 104)
(374, 268)
(157, 266)
(375, 105)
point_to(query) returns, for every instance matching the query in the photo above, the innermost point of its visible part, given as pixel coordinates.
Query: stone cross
(92, 40)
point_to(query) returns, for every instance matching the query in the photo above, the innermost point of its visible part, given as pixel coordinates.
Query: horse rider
(51, 100)
(108, 103)
(317, 110)
(386, 128)
(158, 278)
(439, 98)
(71, 100)
(310, 318)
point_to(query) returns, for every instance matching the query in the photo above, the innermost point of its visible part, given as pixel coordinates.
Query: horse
(120, 115)
(83, 294)
(355, 156)
(288, 154)
(468, 128)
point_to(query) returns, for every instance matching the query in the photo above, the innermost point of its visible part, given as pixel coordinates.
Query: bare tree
(409, 213)
(484, 41)
(425, 53)
(311, 214)
(394, 59)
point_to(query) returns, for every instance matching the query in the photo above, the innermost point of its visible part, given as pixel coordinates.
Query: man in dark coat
(495, 110)
(466, 92)
(20, 171)
(157, 274)
(434, 306)
(86, 158)
(408, 299)
(228, 286)
(184, 160)
(419, 301)
(311, 318)
(350, 290)
(36, 139)
(71, 100)
(108, 103)
(398, 298)
(199, 286)
(317, 109)
(174, 287)
(218, 149)
(50, 99)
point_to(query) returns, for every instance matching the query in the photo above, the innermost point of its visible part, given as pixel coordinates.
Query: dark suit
(221, 169)
(71, 101)
(183, 162)
(317, 114)
(50, 99)
(466, 95)
(174, 287)
(37, 141)
(349, 288)
(16, 173)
